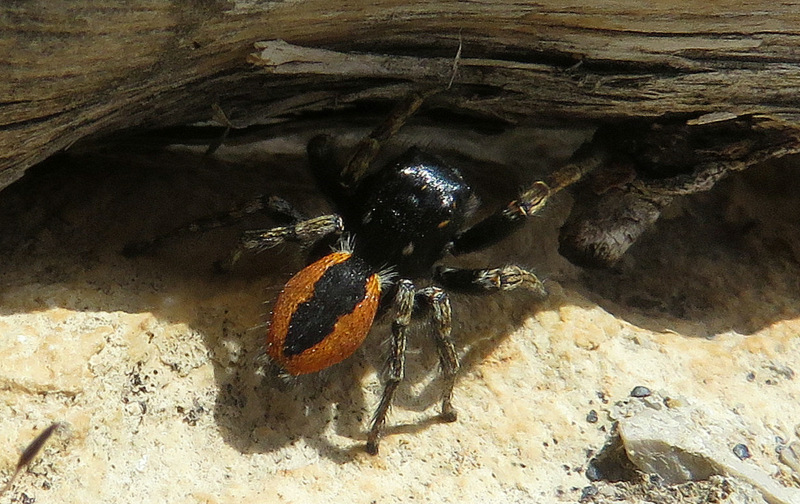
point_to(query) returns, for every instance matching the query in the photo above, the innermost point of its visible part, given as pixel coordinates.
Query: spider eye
(323, 314)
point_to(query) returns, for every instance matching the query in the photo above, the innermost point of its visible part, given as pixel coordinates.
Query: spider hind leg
(274, 206)
(438, 302)
(410, 302)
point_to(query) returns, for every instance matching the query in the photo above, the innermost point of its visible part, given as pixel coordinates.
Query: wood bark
(82, 69)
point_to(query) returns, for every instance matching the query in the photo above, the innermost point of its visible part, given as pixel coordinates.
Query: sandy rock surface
(153, 362)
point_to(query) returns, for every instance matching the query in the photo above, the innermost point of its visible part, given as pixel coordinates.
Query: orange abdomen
(323, 314)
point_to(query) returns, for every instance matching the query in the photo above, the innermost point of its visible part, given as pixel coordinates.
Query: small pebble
(640, 391)
(741, 451)
(593, 473)
(588, 491)
(591, 417)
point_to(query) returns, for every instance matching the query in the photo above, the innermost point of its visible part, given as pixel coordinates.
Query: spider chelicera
(402, 219)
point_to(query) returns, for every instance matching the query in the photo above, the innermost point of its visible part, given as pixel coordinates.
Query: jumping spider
(403, 219)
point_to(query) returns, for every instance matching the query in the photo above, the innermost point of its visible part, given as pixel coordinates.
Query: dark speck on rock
(741, 451)
(588, 492)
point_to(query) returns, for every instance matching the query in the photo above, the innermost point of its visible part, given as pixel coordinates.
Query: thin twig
(30, 452)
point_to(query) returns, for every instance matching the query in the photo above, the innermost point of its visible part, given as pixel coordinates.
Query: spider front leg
(510, 218)
(337, 181)
(488, 280)
(369, 146)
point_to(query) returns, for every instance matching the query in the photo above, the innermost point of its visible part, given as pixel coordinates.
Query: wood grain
(76, 70)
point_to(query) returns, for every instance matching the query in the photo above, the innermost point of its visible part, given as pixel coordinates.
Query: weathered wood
(69, 70)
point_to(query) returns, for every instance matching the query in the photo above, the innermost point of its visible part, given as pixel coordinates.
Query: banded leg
(510, 218)
(480, 281)
(439, 302)
(404, 301)
(366, 149)
(305, 232)
(271, 205)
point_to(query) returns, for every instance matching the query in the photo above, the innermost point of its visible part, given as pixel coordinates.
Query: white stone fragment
(677, 448)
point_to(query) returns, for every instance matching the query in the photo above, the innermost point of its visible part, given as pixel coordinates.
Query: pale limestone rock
(682, 444)
(154, 362)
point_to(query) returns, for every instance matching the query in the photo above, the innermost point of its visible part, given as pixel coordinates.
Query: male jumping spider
(403, 219)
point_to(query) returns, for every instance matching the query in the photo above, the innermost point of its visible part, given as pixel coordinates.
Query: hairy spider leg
(438, 302)
(409, 302)
(508, 219)
(488, 280)
(368, 147)
(274, 206)
(339, 182)
(404, 303)
(306, 232)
